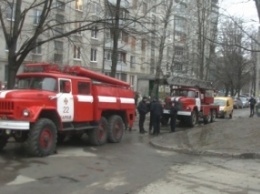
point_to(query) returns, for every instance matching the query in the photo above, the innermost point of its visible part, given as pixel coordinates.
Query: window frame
(93, 55)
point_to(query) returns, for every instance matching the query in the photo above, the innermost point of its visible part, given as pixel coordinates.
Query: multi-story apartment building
(138, 45)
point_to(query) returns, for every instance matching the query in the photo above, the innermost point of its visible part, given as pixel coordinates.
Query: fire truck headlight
(26, 113)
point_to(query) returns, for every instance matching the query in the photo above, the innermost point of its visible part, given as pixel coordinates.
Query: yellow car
(226, 106)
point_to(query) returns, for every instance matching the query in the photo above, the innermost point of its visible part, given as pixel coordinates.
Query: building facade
(141, 28)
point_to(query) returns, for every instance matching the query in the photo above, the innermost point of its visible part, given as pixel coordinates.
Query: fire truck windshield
(186, 93)
(38, 83)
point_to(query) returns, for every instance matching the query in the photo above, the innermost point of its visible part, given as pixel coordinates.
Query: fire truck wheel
(213, 116)
(98, 136)
(116, 129)
(193, 119)
(42, 138)
(207, 118)
(3, 140)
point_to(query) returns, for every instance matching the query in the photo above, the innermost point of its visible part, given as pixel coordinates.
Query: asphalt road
(130, 167)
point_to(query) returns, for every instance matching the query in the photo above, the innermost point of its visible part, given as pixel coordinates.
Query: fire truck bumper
(14, 125)
(184, 113)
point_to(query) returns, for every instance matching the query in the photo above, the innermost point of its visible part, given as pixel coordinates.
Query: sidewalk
(239, 138)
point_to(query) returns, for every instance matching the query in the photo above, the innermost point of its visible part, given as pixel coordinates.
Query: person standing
(252, 103)
(142, 110)
(156, 112)
(173, 115)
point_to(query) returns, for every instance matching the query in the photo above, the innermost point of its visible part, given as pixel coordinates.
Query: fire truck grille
(6, 107)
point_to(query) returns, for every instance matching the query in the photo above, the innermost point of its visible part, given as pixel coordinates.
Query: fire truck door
(65, 101)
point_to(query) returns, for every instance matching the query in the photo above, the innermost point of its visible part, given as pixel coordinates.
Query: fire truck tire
(98, 135)
(207, 118)
(193, 119)
(42, 138)
(116, 129)
(213, 116)
(3, 140)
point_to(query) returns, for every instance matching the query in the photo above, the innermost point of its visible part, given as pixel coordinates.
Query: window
(58, 58)
(83, 88)
(36, 16)
(179, 51)
(178, 67)
(122, 57)
(143, 45)
(96, 8)
(77, 27)
(125, 37)
(59, 30)
(60, 5)
(108, 55)
(77, 52)
(94, 32)
(133, 42)
(132, 80)
(37, 48)
(132, 61)
(108, 34)
(78, 5)
(10, 11)
(93, 56)
(144, 7)
(134, 2)
(58, 45)
(60, 18)
(65, 86)
(124, 77)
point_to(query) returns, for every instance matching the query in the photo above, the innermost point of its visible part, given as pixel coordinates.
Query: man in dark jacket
(142, 110)
(173, 115)
(151, 117)
(156, 112)
(252, 103)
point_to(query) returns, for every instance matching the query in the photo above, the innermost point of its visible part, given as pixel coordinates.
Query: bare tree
(232, 68)
(22, 37)
(46, 28)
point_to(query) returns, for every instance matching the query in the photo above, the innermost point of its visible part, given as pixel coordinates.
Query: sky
(245, 9)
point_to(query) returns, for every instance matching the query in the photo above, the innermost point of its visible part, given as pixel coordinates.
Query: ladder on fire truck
(75, 70)
(189, 82)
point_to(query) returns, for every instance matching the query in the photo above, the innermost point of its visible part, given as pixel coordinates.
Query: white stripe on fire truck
(107, 99)
(83, 98)
(3, 93)
(127, 100)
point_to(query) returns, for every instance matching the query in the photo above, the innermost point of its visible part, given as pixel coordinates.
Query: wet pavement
(238, 137)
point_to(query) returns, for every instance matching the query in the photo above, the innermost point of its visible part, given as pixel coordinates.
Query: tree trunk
(116, 31)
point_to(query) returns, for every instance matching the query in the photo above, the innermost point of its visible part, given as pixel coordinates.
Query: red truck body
(50, 104)
(194, 101)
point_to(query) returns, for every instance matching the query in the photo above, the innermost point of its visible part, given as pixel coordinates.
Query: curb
(211, 153)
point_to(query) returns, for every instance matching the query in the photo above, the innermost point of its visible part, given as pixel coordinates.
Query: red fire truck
(50, 102)
(194, 99)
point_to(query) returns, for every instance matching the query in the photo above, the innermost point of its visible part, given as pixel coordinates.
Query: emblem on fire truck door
(66, 107)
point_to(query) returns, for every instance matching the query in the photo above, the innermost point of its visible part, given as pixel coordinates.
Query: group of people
(155, 108)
